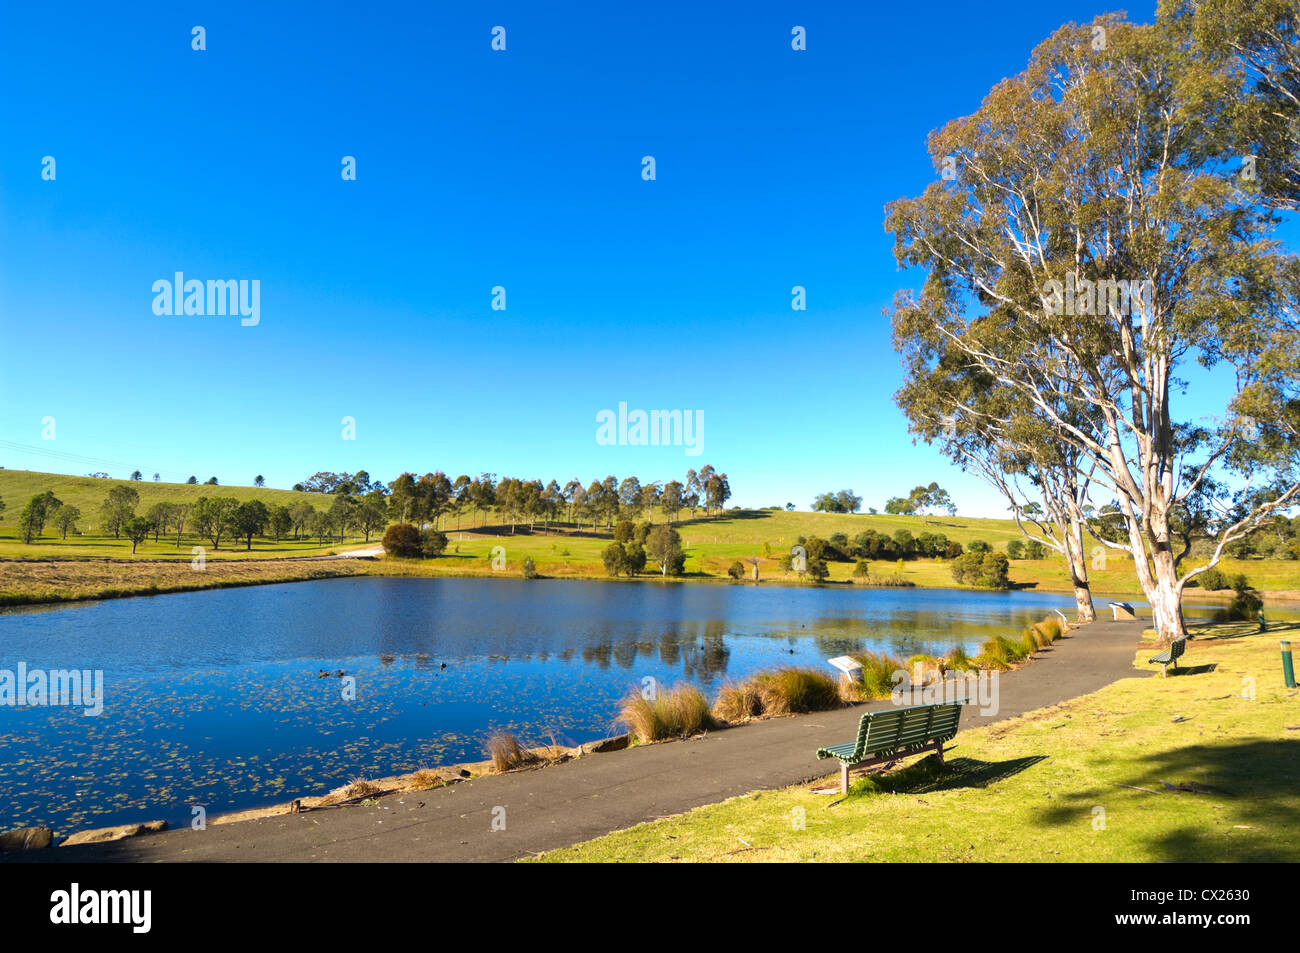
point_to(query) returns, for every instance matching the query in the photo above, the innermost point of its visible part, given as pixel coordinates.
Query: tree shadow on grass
(1258, 778)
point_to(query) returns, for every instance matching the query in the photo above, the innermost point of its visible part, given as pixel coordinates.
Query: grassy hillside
(711, 544)
(87, 493)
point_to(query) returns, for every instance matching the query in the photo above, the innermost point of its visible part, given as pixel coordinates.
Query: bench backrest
(905, 727)
(1177, 647)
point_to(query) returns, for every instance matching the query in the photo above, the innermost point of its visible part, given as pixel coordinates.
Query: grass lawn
(1088, 780)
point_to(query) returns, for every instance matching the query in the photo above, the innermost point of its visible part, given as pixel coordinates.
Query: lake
(215, 698)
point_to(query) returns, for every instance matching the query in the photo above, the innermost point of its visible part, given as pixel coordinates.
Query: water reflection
(216, 697)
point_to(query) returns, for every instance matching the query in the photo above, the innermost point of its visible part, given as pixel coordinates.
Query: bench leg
(1164, 670)
(844, 777)
(938, 751)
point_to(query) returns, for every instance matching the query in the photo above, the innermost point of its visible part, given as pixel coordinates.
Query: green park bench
(1169, 656)
(885, 736)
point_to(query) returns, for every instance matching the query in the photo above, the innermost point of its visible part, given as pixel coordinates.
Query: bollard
(1263, 627)
(1288, 671)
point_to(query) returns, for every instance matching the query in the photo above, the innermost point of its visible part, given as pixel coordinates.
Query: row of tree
(435, 499)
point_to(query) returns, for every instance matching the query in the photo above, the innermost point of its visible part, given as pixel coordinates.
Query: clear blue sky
(475, 169)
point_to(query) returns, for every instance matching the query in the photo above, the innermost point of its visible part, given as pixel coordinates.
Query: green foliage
(402, 540)
(432, 542)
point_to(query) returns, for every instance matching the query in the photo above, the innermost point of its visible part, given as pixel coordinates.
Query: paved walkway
(564, 804)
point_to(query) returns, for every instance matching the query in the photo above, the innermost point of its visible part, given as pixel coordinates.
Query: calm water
(214, 698)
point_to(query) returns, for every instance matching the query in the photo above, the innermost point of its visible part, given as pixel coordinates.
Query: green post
(1262, 626)
(1288, 670)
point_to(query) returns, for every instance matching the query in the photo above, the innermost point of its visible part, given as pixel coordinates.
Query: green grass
(88, 495)
(1110, 776)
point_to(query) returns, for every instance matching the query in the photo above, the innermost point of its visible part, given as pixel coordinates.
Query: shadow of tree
(1259, 777)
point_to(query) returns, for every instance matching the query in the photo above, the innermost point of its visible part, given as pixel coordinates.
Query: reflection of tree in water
(598, 654)
(707, 659)
(670, 646)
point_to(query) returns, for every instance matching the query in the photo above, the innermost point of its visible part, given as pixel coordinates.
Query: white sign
(849, 666)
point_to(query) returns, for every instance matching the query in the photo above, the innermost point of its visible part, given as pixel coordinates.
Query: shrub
(1210, 580)
(994, 571)
(978, 546)
(1244, 607)
(794, 690)
(433, 543)
(675, 713)
(862, 570)
(403, 541)
(614, 556)
(530, 568)
(1034, 550)
(736, 570)
(817, 569)
(624, 530)
(1015, 549)
(634, 561)
(953, 550)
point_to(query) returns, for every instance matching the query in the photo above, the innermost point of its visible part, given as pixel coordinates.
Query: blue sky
(476, 169)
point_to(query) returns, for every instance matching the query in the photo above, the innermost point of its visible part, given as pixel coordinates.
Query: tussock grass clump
(423, 780)
(738, 701)
(794, 690)
(507, 753)
(681, 711)
(929, 664)
(878, 670)
(1053, 627)
(957, 660)
(998, 653)
(357, 787)
(1028, 643)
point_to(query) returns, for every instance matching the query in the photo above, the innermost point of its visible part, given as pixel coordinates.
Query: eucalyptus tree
(1089, 238)
(990, 431)
(1263, 38)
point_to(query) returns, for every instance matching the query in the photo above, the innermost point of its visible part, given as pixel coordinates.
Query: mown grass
(1203, 766)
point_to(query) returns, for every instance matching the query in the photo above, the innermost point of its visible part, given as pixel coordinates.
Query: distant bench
(1169, 656)
(889, 735)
